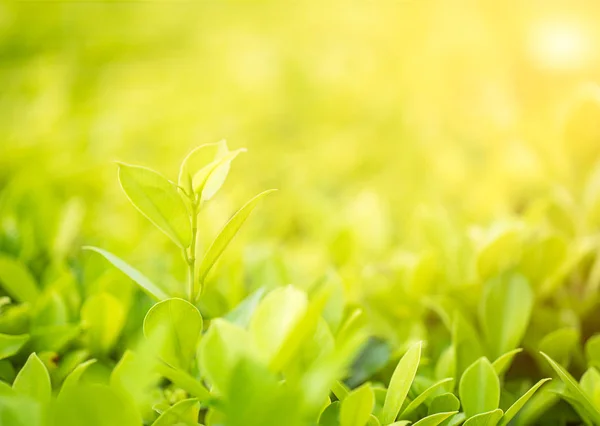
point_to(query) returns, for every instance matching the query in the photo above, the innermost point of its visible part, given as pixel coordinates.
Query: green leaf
(243, 312)
(33, 380)
(400, 383)
(434, 419)
(181, 323)
(209, 179)
(331, 415)
(17, 281)
(574, 389)
(226, 234)
(503, 362)
(220, 350)
(590, 384)
(357, 406)
(505, 311)
(340, 390)
(11, 344)
(157, 199)
(196, 159)
(103, 317)
(490, 418)
(479, 388)
(430, 391)
(184, 381)
(520, 403)
(444, 403)
(560, 344)
(275, 318)
(72, 380)
(95, 405)
(184, 412)
(592, 350)
(146, 285)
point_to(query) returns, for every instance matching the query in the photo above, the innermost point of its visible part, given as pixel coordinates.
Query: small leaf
(157, 199)
(17, 281)
(11, 344)
(181, 323)
(146, 285)
(479, 388)
(490, 418)
(33, 380)
(331, 415)
(503, 362)
(415, 403)
(197, 158)
(520, 403)
(209, 179)
(72, 380)
(226, 234)
(183, 412)
(592, 350)
(434, 419)
(357, 406)
(400, 383)
(467, 346)
(243, 312)
(340, 390)
(574, 389)
(184, 381)
(444, 403)
(506, 308)
(590, 384)
(560, 344)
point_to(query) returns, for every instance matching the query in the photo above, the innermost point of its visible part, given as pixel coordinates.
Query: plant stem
(190, 255)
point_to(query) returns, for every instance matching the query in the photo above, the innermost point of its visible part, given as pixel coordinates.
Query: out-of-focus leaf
(183, 413)
(181, 323)
(103, 317)
(506, 308)
(157, 199)
(10, 345)
(434, 419)
(444, 403)
(516, 407)
(139, 278)
(17, 281)
(331, 415)
(242, 313)
(34, 381)
(357, 406)
(560, 344)
(72, 380)
(400, 383)
(467, 346)
(226, 234)
(592, 350)
(479, 388)
(590, 384)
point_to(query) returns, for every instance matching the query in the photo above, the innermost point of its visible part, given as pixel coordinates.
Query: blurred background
(371, 118)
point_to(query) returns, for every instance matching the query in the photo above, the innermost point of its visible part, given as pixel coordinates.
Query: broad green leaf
(444, 403)
(33, 380)
(103, 317)
(456, 420)
(182, 413)
(135, 373)
(490, 418)
(146, 285)
(226, 234)
(331, 415)
(434, 419)
(467, 346)
(592, 351)
(430, 391)
(157, 199)
(95, 405)
(574, 389)
(181, 323)
(479, 388)
(516, 407)
(400, 383)
(275, 318)
(505, 311)
(17, 281)
(10, 345)
(72, 380)
(357, 406)
(503, 362)
(220, 350)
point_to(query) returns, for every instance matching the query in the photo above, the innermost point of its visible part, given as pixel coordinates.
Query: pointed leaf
(503, 362)
(490, 418)
(434, 419)
(157, 199)
(72, 380)
(356, 408)
(17, 281)
(226, 234)
(520, 403)
(400, 383)
(33, 380)
(182, 413)
(146, 285)
(11, 344)
(444, 403)
(415, 403)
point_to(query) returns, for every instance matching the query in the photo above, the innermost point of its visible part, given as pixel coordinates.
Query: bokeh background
(377, 121)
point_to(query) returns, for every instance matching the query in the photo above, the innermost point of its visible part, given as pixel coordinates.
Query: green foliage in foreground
(82, 346)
